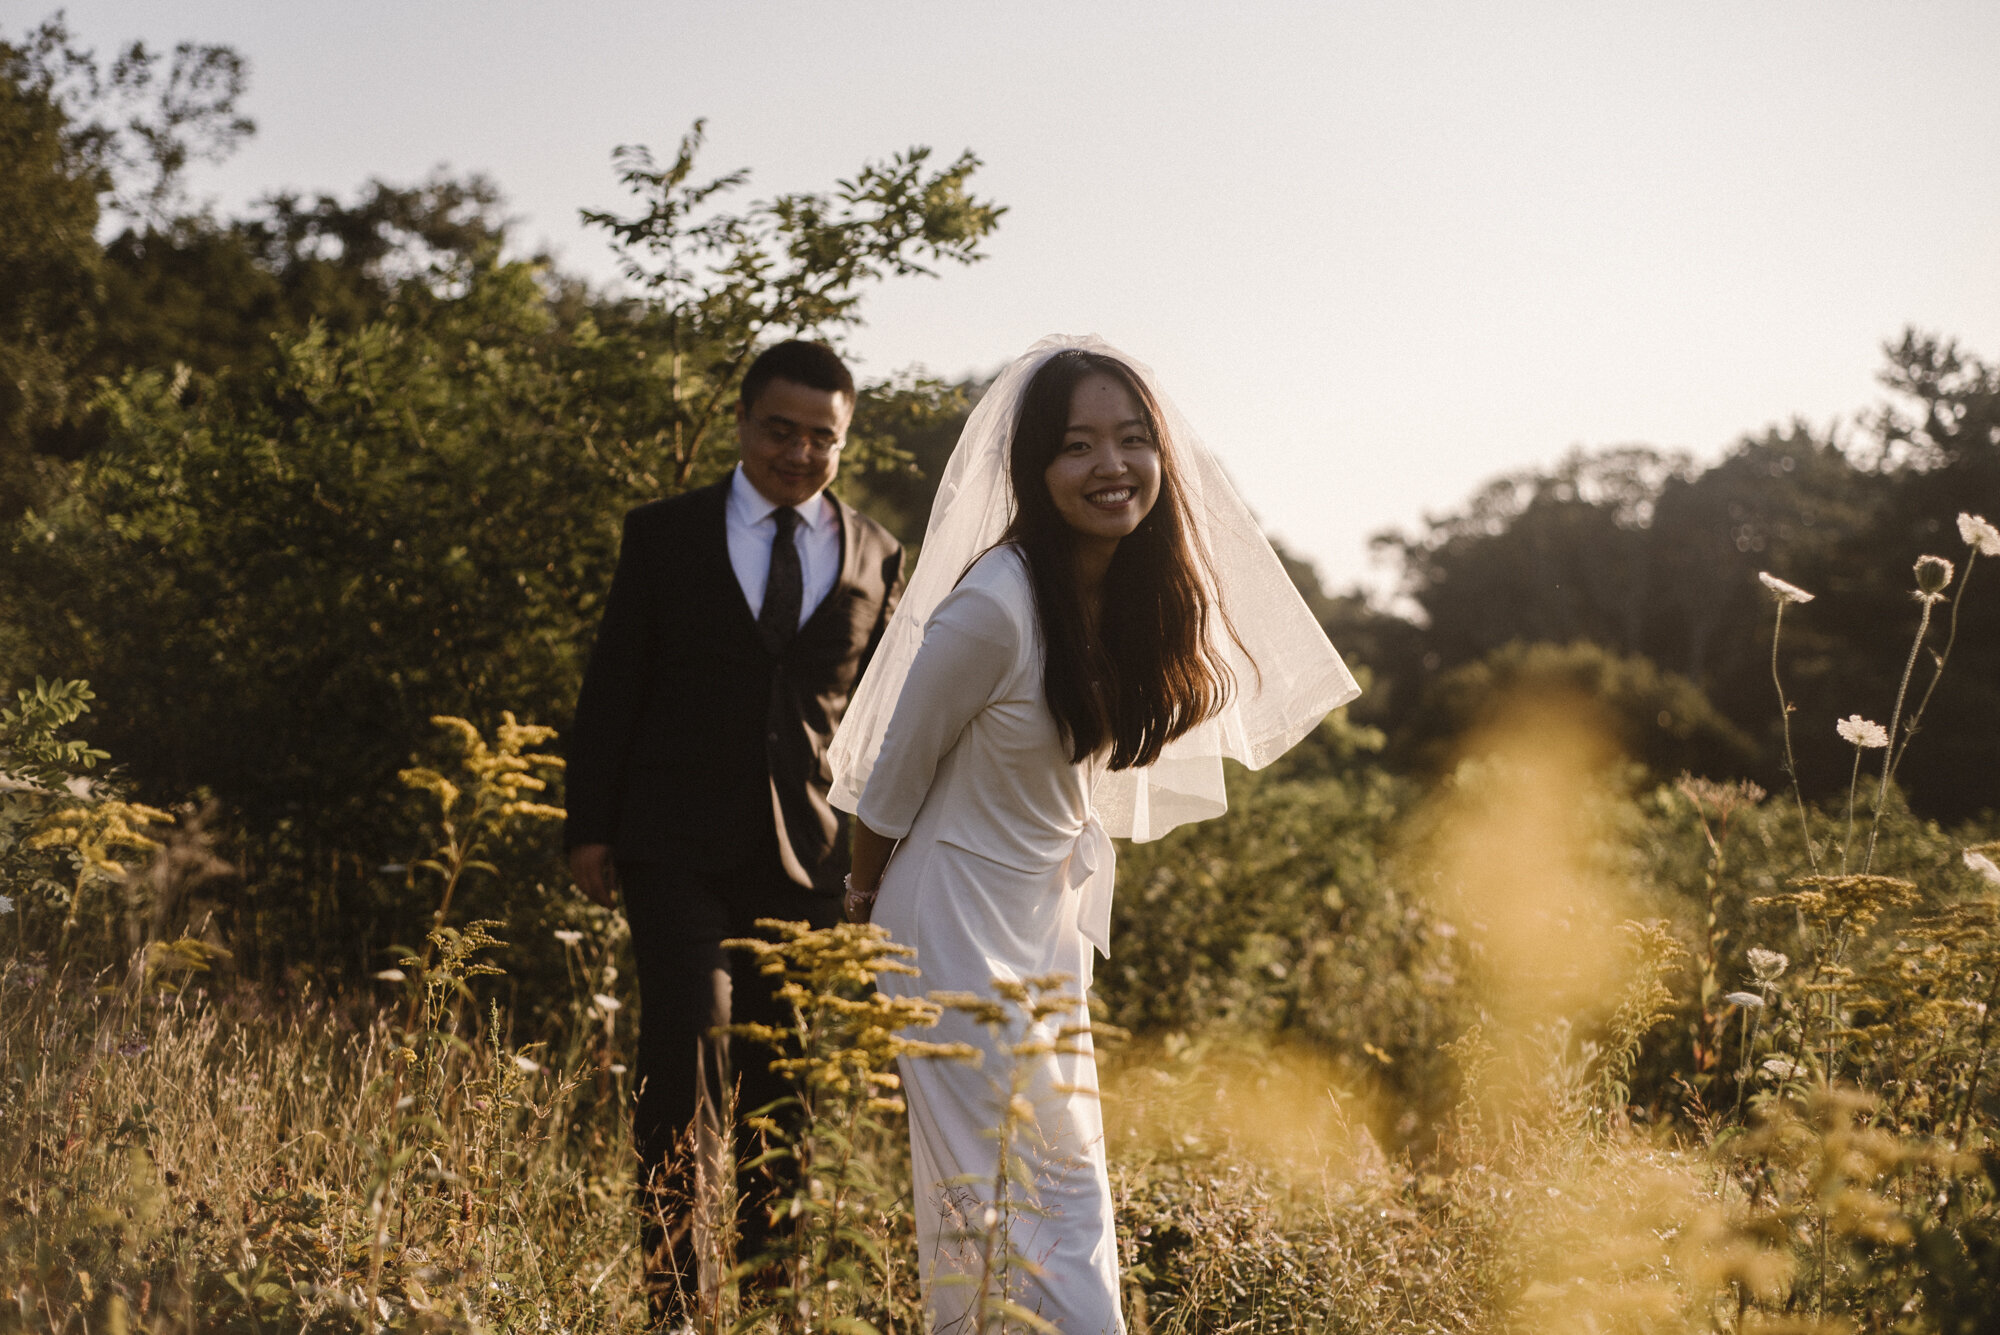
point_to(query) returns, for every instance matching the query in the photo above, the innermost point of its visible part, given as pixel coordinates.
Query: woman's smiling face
(1106, 473)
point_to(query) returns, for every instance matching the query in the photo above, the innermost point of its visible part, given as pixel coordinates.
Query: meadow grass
(1680, 1059)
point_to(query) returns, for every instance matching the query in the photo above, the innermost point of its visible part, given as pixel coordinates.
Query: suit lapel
(720, 572)
(850, 563)
(850, 555)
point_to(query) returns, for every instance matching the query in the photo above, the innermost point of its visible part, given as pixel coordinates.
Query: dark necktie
(784, 589)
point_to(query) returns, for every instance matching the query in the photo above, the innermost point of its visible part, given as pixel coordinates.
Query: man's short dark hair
(814, 365)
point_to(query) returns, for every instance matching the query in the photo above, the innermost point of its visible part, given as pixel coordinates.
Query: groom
(739, 617)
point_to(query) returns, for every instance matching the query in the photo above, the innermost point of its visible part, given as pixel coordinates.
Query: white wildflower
(1767, 964)
(392, 976)
(1984, 865)
(1979, 535)
(1783, 1067)
(1862, 733)
(1747, 1000)
(79, 786)
(1933, 576)
(569, 938)
(1783, 592)
(7, 905)
(610, 1005)
(526, 1063)
(618, 1068)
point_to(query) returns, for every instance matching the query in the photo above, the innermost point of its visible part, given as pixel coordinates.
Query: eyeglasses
(786, 434)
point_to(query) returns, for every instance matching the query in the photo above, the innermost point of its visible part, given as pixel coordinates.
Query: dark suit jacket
(692, 744)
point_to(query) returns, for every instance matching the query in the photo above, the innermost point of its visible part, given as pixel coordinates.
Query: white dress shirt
(751, 531)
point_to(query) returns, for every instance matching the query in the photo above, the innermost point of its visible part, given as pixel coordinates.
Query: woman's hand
(858, 902)
(871, 855)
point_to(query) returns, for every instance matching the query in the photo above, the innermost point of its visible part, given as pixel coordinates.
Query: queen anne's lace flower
(1861, 732)
(1933, 575)
(1979, 535)
(1783, 592)
(1747, 1000)
(1984, 865)
(1767, 964)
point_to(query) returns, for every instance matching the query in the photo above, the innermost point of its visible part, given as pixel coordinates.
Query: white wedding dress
(1006, 864)
(1002, 867)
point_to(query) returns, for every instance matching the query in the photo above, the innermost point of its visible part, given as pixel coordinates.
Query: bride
(1095, 623)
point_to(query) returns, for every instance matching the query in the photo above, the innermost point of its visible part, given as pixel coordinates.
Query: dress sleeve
(968, 651)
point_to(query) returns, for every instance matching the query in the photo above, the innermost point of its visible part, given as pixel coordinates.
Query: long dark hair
(1151, 674)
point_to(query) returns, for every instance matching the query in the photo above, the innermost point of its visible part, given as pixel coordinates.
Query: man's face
(791, 438)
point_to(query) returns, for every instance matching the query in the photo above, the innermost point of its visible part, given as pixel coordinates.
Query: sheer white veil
(1288, 676)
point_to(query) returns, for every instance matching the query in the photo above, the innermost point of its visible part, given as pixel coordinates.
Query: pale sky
(1377, 252)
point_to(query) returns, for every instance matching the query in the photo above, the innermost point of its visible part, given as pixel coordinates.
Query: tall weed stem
(1895, 759)
(1853, 782)
(1928, 602)
(1785, 718)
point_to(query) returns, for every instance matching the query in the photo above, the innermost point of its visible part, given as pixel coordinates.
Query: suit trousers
(688, 986)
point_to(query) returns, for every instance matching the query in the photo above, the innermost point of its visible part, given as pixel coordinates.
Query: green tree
(1643, 554)
(723, 282)
(217, 295)
(275, 579)
(50, 265)
(78, 137)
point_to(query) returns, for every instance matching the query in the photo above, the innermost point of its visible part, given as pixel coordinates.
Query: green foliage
(294, 539)
(1639, 551)
(30, 749)
(1658, 718)
(1286, 916)
(50, 268)
(725, 282)
(135, 124)
(282, 584)
(906, 428)
(65, 841)
(77, 134)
